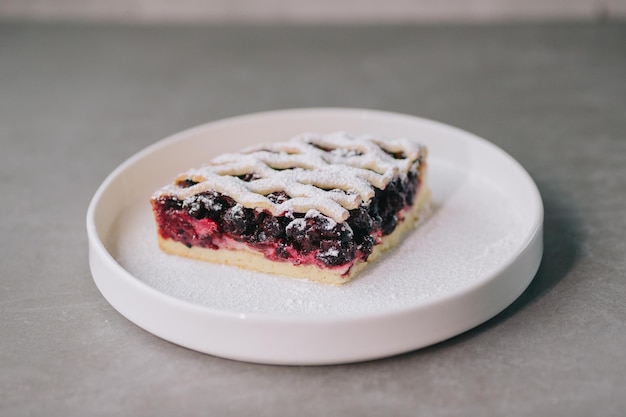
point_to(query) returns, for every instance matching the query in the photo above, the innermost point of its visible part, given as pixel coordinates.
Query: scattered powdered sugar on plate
(473, 230)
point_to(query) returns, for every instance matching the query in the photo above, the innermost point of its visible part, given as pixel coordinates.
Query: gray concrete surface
(319, 11)
(75, 101)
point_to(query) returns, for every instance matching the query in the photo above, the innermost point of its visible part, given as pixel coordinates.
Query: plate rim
(98, 248)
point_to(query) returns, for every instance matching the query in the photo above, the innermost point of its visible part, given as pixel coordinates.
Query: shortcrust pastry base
(246, 258)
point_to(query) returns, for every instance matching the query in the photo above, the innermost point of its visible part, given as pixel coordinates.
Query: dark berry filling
(278, 197)
(251, 176)
(186, 183)
(211, 219)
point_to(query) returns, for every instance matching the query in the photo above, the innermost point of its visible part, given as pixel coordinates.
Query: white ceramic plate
(473, 257)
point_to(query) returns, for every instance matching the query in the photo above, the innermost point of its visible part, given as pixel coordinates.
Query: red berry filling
(213, 220)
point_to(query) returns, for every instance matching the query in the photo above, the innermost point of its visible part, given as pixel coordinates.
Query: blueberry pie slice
(319, 206)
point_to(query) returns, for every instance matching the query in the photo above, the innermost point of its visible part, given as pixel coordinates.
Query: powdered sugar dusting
(332, 173)
(473, 230)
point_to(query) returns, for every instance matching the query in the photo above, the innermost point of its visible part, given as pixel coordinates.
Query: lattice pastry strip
(331, 173)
